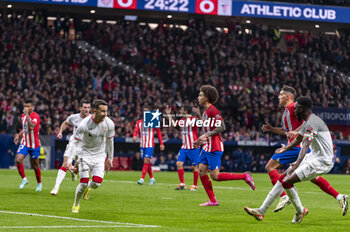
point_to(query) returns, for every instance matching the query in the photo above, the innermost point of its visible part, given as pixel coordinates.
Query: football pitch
(120, 204)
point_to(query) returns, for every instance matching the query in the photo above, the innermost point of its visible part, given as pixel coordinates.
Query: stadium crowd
(41, 61)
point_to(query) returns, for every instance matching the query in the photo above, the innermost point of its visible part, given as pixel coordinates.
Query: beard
(299, 117)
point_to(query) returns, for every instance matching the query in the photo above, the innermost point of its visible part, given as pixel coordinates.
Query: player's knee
(96, 182)
(65, 164)
(146, 160)
(214, 176)
(268, 168)
(179, 164)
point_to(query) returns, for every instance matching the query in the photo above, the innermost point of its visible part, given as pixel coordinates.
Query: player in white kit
(94, 138)
(315, 135)
(69, 154)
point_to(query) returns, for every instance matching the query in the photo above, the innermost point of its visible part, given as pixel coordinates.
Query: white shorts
(70, 152)
(311, 167)
(93, 165)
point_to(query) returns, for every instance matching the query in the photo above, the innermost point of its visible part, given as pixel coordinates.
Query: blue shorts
(212, 159)
(146, 152)
(192, 154)
(34, 152)
(287, 157)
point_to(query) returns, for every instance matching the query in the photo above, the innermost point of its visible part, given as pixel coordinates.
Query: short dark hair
(187, 108)
(28, 100)
(305, 102)
(210, 92)
(96, 104)
(148, 107)
(290, 89)
(84, 101)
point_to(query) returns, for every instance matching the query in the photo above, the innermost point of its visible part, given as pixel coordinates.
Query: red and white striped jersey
(30, 138)
(146, 135)
(289, 119)
(189, 131)
(213, 143)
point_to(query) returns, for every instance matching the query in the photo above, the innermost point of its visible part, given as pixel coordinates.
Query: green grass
(120, 199)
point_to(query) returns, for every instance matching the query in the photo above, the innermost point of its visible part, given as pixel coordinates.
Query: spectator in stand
(137, 162)
(226, 164)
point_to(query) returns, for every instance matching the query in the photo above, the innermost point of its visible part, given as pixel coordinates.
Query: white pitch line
(78, 219)
(50, 227)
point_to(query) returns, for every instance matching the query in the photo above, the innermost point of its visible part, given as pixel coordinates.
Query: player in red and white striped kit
(30, 143)
(147, 147)
(189, 135)
(213, 148)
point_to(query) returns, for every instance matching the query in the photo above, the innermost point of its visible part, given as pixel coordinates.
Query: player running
(189, 135)
(70, 154)
(314, 134)
(290, 125)
(94, 137)
(147, 147)
(30, 143)
(213, 148)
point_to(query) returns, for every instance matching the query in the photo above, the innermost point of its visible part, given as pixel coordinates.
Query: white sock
(271, 197)
(25, 178)
(339, 197)
(60, 177)
(294, 197)
(89, 184)
(79, 193)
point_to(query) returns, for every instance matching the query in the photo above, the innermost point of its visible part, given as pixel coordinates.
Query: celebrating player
(210, 157)
(73, 120)
(30, 143)
(94, 136)
(147, 147)
(290, 126)
(189, 135)
(314, 134)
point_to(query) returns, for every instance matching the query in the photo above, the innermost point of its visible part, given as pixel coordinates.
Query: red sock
(150, 170)
(208, 187)
(326, 187)
(38, 174)
(63, 169)
(144, 170)
(21, 170)
(274, 176)
(230, 176)
(195, 178)
(181, 175)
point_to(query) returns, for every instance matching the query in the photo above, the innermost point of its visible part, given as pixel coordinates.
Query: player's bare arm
(292, 134)
(268, 128)
(63, 127)
(18, 137)
(216, 131)
(302, 153)
(293, 144)
(110, 153)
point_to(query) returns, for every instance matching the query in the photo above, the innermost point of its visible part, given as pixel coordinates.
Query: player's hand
(71, 168)
(134, 138)
(16, 139)
(109, 165)
(281, 149)
(292, 168)
(197, 111)
(292, 134)
(200, 140)
(266, 127)
(161, 147)
(167, 110)
(59, 135)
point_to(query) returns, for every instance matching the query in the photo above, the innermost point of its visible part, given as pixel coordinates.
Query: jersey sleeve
(70, 120)
(214, 113)
(79, 134)
(111, 131)
(136, 130)
(160, 137)
(35, 119)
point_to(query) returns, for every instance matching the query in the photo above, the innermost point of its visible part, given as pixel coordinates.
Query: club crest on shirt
(105, 128)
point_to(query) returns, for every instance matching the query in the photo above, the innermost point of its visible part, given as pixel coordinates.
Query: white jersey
(74, 120)
(316, 130)
(93, 136)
